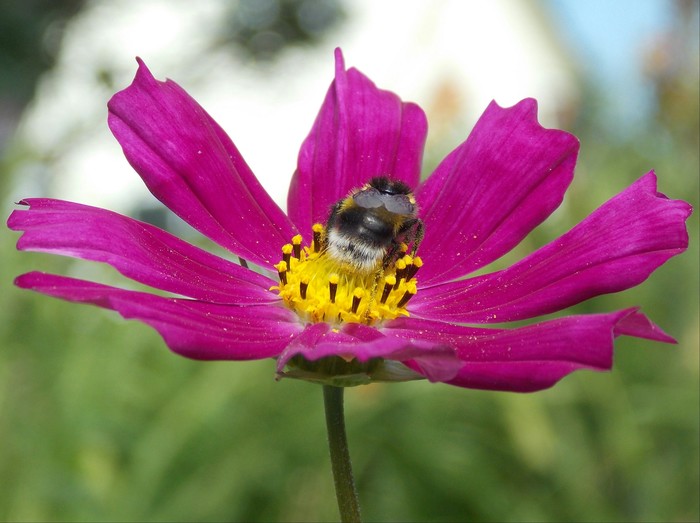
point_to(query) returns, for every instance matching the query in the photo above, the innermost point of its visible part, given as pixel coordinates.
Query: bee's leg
(419, 234)
(390, 255)
(413, 231)
(373, 294)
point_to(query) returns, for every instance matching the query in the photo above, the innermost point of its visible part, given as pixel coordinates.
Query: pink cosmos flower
(481, 201)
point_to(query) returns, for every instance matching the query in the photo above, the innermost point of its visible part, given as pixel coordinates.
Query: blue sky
(608, 37)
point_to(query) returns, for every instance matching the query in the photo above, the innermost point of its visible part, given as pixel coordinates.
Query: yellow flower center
(321, 289)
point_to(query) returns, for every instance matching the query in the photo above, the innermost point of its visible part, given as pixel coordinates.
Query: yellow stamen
(400, 272)
(317, 229)
(333, 286)
(389, 282)
(417, 264)
(286, 252)
(410, 293)
(356, 298)
(320, 288)
(296, 244)
(282, 272)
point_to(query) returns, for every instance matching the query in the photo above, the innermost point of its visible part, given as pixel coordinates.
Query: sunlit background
(100, 422)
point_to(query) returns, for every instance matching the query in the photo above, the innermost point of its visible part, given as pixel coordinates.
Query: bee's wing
(369, 199)
(398, 203)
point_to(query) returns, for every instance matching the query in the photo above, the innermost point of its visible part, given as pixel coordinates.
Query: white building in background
(450, 56)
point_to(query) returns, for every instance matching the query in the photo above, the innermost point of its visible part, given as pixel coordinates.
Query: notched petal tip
(688, 209)
(649, 184)
(142, 77)
(339, 61)
(143, 73)
(651, 180)
(11, 222)
(528, 106)
(528, 109)
(633, 323)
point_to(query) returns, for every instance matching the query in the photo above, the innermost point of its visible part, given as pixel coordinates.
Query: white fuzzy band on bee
(364, 258)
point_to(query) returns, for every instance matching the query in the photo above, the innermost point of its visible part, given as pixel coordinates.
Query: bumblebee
(365, 229)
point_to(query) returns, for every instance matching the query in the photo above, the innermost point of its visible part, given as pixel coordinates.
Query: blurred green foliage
(260, 29)
(30, 33)
(99, 422)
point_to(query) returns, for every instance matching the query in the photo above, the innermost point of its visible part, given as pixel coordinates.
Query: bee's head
(395, 196)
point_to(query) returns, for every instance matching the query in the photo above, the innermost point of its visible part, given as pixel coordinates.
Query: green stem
(345, 490)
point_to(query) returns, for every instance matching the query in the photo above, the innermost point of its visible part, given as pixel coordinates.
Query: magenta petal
(360, 132)
(138, 250)
(639, 326)
(617, 247)
(195, 329)
(436, 361)
(191, 165)
(490, 192)
(529, 358)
